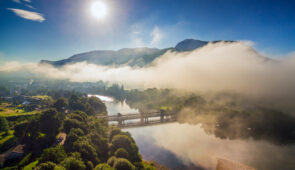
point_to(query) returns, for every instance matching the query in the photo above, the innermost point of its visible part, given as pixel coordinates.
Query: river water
(183, 146)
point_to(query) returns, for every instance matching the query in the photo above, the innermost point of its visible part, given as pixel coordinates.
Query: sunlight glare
(99, 9)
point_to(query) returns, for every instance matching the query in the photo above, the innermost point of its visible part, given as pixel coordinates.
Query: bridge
(128, 120)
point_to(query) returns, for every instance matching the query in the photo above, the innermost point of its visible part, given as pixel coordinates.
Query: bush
(123, 164)
(121, 153)
(103, 166)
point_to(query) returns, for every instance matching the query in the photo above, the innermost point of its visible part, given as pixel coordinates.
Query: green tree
(89, 165)
(126, 142)
(46, 166)
(55, 155)
(111, 161)
(3, 125)
(98, 106)
(73, 163)
(72, 137)
(123, 164)
(103, 166)
(50, 123)
(76, 103)
(121, 153)
(73, 123)
(61, 104)
(87, 150)
(100, 144)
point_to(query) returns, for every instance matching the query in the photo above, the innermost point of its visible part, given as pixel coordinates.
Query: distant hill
(128, 56)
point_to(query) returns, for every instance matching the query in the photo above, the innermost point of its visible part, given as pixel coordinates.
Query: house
(26, 102)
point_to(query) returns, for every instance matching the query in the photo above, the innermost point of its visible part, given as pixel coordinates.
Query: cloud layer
(29, 15)
(219, 67)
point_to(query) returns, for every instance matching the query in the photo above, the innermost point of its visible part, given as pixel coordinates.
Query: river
(183, 146)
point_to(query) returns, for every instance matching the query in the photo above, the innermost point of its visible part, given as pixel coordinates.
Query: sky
(31, 30)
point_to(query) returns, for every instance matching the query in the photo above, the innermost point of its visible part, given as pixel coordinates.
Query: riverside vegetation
(90, 142)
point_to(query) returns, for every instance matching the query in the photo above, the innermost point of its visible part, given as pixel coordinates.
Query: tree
(72, 137)
(98, 106)
(4, 127)
(114, 131)
(121, 153)
(72, 163)
(103, 166)
(126, 142)
(101, 145)
(73, 123)
(123, 164)
(111, 161)
(55, 155)
(77, 103)
(89, 165)
(61, 104)
(87, 150)
(50, 123)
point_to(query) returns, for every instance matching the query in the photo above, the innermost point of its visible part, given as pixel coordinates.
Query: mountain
(190, 44)
(128, 56)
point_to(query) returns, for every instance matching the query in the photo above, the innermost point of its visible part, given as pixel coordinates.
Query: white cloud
(28, 1)
(157, 36)
(34, 16)
(30, 6)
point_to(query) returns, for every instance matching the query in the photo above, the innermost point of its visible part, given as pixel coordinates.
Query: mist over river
(184, 146)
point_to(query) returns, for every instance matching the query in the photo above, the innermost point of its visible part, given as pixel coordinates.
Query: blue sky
(57, 29)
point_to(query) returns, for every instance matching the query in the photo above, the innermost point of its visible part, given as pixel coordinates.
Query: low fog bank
(220, 67)
(192, 144)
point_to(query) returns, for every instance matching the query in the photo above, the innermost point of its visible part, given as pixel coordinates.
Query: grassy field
(4, 137)
(31, 165)
(6, 110)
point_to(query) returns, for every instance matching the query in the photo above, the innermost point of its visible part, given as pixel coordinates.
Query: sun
(99, 9)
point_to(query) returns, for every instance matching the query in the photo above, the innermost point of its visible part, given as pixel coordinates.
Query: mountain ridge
(128, 56)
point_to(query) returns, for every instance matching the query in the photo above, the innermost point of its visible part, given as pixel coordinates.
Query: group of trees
(90, 142)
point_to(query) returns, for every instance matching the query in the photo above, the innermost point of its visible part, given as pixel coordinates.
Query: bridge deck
(123, 119)
(132, 116)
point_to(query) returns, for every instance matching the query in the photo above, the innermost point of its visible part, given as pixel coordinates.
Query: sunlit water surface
(183, 146)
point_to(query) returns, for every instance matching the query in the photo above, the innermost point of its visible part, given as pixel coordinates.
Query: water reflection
(114, 107)
(199, 145)
(191, 144)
